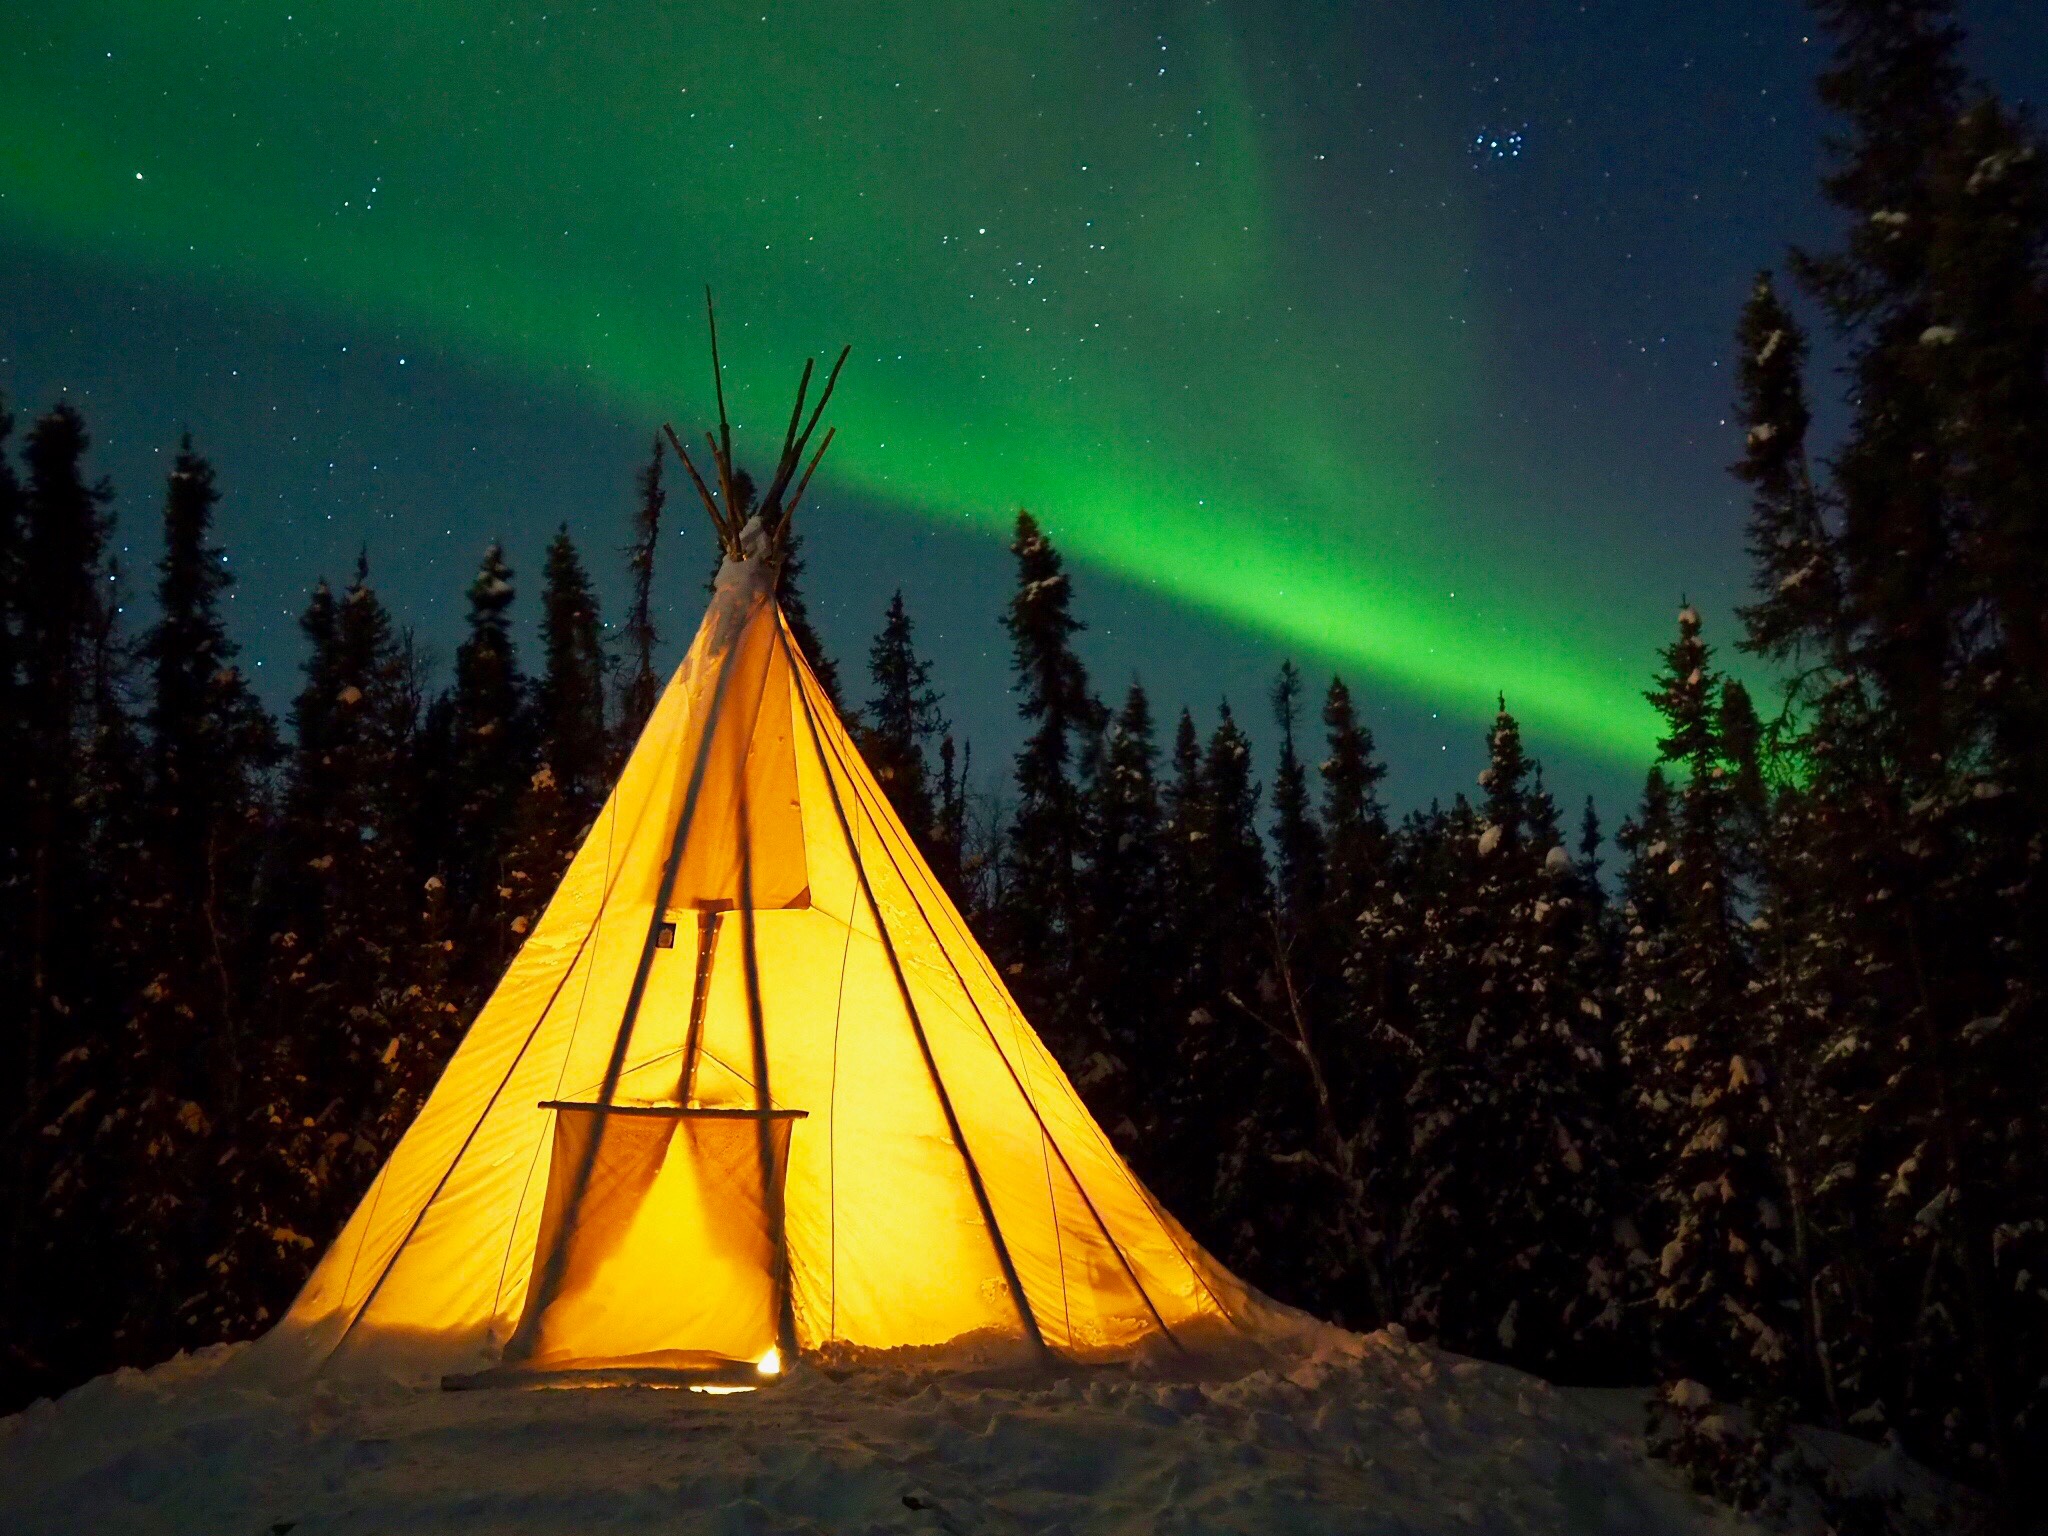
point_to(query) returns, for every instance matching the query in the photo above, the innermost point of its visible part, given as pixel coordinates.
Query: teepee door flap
(672, 1261)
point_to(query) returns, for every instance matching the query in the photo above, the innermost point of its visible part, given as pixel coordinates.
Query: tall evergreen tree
(569, 699)
(339, 960)
(1224, 1046)
(489, 767)
(1126, 966)
(1501, 1243)
(903, 723)
(1589, 863)
(1039, 929)
(62, 1069)
(1935, 294)
(567, 786)
(949, 856)
(640, 684)
(1298, 843)
(205, 825)
(1703, 1084)
(1355, 823)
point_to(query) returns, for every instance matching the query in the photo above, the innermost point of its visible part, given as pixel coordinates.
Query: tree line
(1750, 1103)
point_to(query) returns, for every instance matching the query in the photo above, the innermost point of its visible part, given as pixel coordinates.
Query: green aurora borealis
(1088, 266)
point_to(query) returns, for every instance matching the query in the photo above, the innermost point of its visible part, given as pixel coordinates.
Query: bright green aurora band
(1087, 265)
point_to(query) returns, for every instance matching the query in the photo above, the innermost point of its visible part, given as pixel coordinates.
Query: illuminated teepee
(751, 1086)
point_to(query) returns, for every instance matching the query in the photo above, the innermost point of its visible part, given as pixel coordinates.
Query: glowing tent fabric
(892, 1157)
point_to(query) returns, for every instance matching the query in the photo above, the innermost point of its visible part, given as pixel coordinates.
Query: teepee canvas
(751, 1086)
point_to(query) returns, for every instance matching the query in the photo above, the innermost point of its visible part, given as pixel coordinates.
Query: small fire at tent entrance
(750, 1091)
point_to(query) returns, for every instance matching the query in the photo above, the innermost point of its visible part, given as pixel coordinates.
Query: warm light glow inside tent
(751, 1088)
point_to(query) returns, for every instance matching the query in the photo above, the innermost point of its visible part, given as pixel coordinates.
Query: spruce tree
(569, 699)
(1126, 967)
(1812, 870)
(567, 786)
(1170, 1161)
(1589, 863)
(489, 767)
(1224, 1046)
(639, 684)
(340, 960)
(1039, 931)
(1934, 294)
(1373, 903)
(63, 1073)
(1702, 1074)
(1354, 821)
(1503, 1236)
(1300, 854)
(205, 825)
(1305, 1226)
(902, 724)
(949, 857)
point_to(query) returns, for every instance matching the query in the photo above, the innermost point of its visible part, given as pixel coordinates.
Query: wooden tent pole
(700, 996)
(550, 1278)
(924, 1046)
(764, 1128)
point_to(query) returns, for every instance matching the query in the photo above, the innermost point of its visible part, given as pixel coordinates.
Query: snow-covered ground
(1367, 1434)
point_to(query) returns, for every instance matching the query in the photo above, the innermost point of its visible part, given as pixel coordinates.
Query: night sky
(1391, 338)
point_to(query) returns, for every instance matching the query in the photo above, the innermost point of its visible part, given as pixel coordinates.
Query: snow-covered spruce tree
(424, 1019)
(1038, 927)
(1988, 288)
(567, 785)
(1551, 1297)
(1129, 976)
(1424, 937)
(340, 958)
(903, 724)
(1354, 821)
(190, 1025)
(1700, 1073)
(1933, 292)
(1812, 874)
(1505, 1237)
(1643, 926)
(72, 754)
(639, 683)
